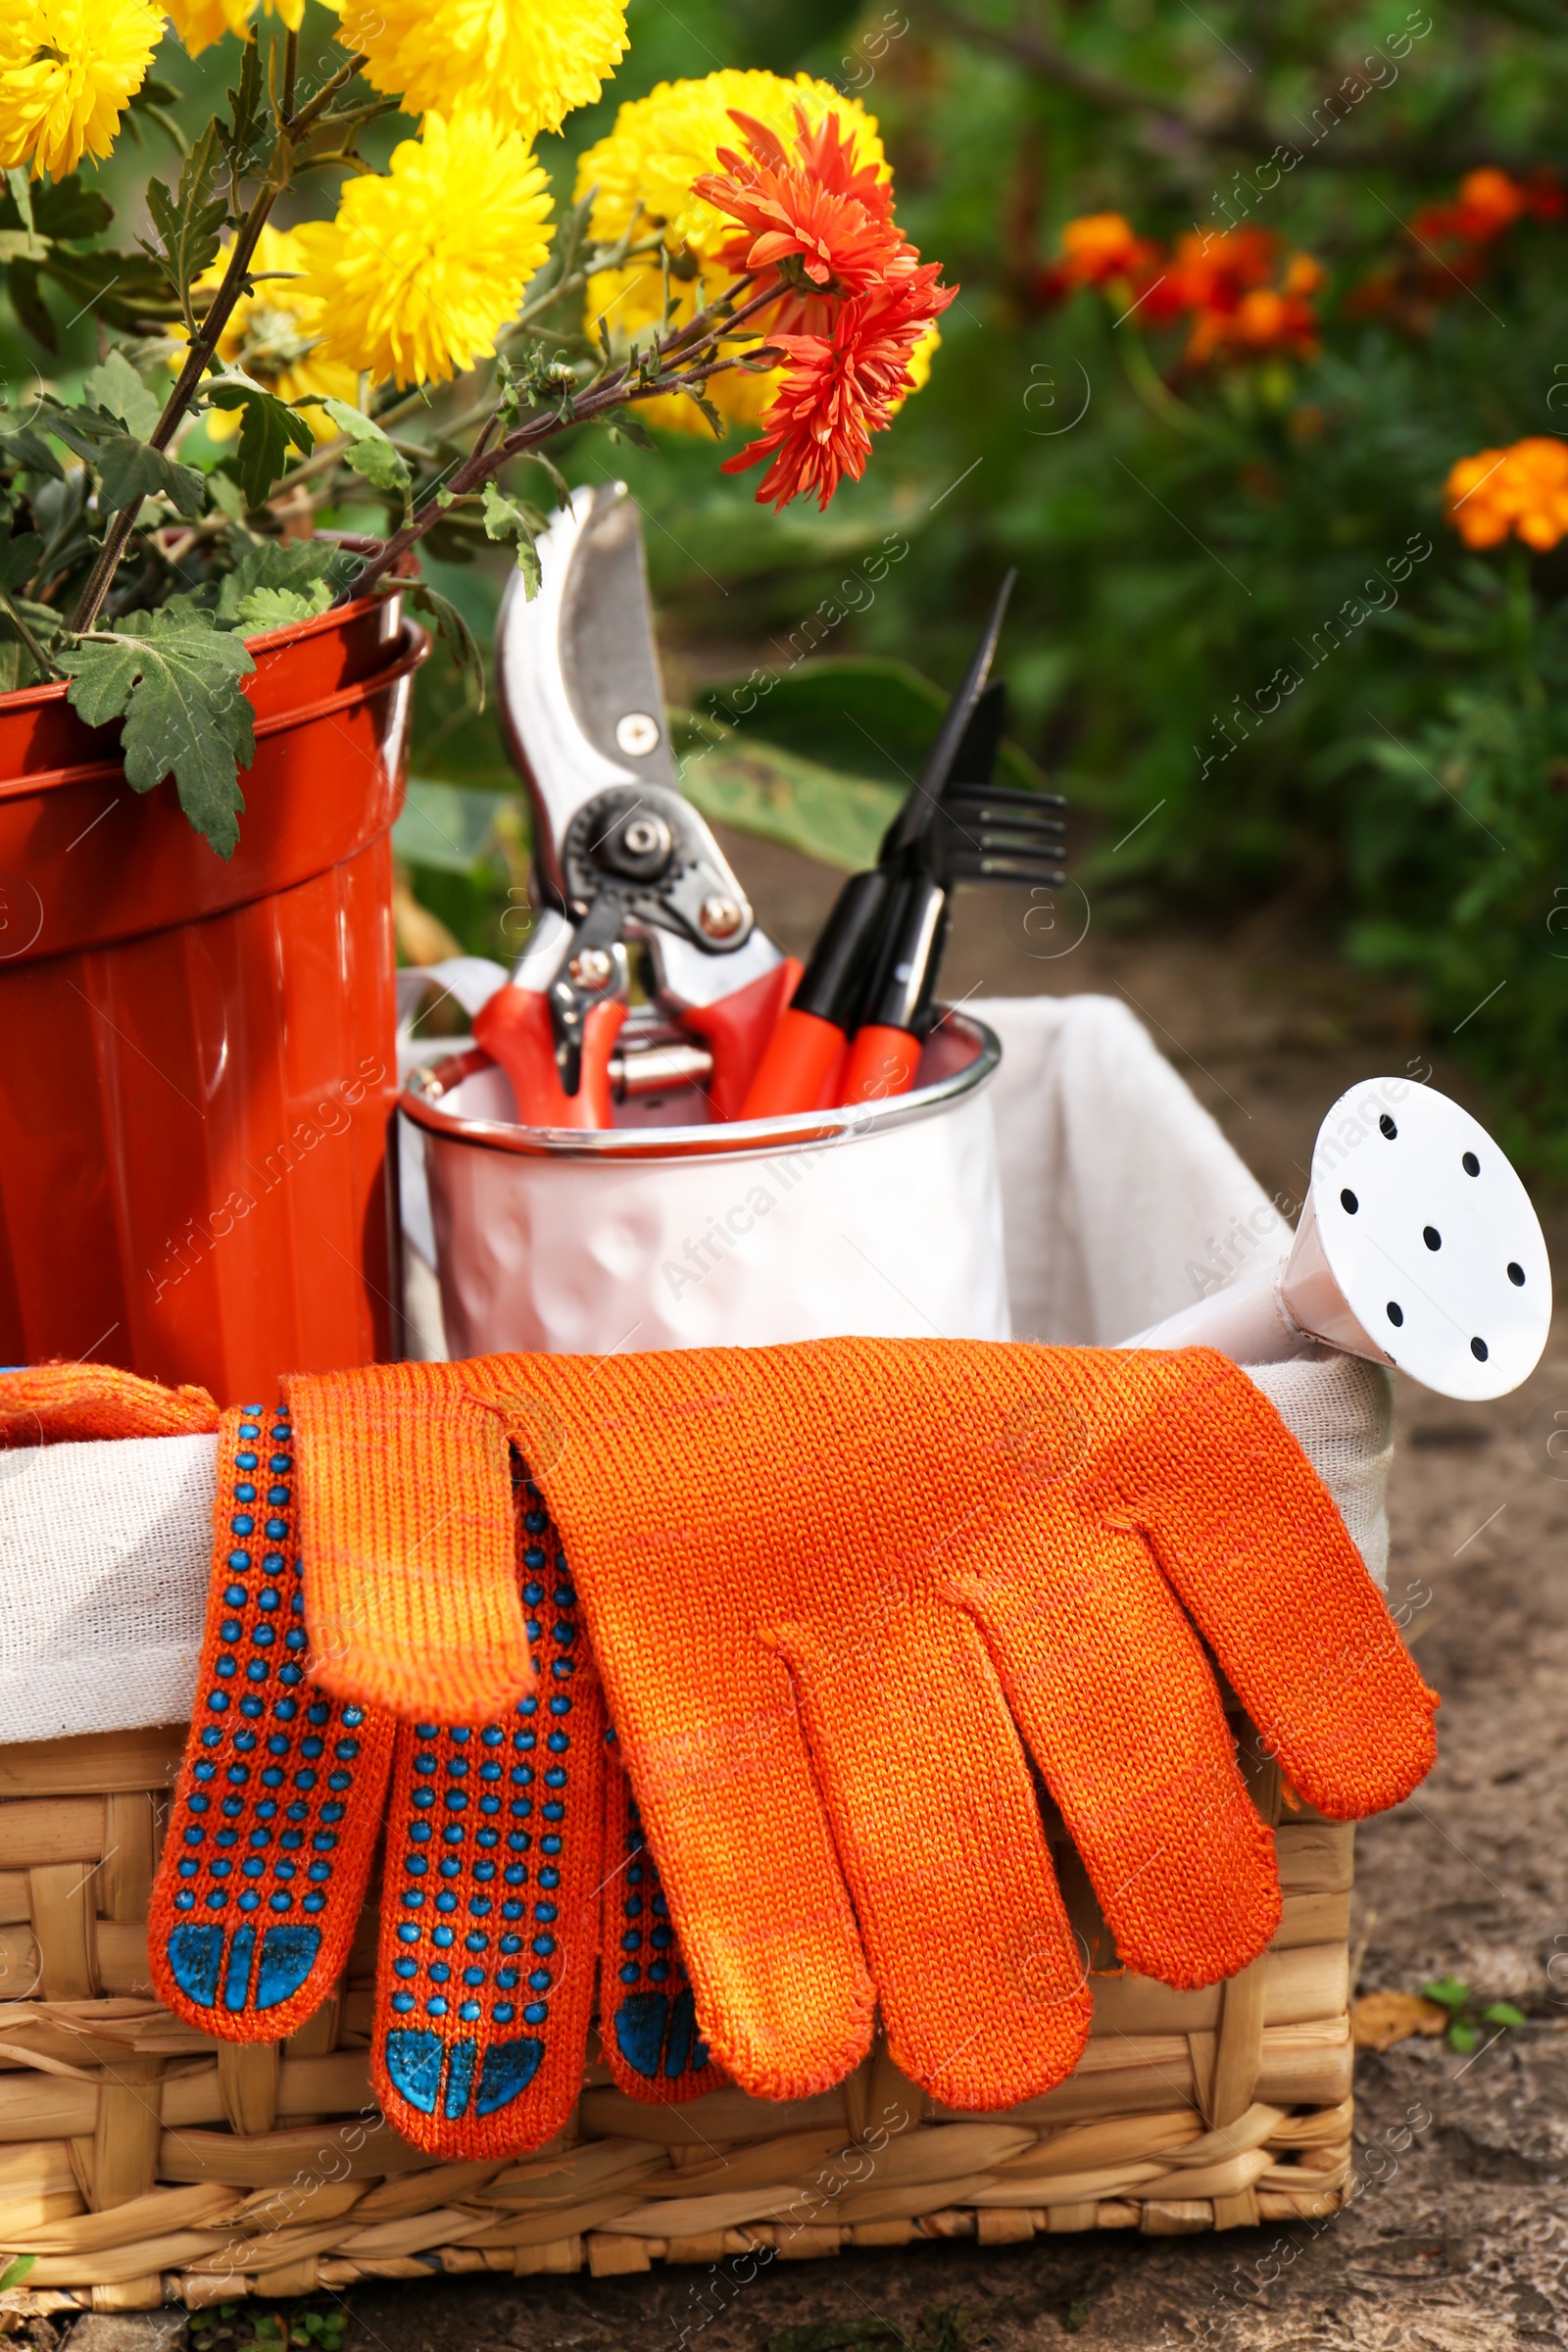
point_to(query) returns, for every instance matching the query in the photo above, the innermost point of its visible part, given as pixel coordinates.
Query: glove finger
(708, 1723)
(1250, 1541)
(490, 1923)
(274, 1817)
(647, 2012)
(1120, 1707)
(980, 1977)
(406, 1522)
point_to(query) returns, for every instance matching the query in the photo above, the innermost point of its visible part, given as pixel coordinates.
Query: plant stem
(48, 669)
(484, 462)
(200, 355)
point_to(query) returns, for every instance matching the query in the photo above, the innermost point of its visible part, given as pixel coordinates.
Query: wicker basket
(141, 2162)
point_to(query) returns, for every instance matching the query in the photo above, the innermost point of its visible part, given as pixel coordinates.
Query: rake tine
(985, 866)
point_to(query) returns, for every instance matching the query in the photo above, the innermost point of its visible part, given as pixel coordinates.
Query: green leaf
(28, 451)
(115, 387)
(190, 223)
(447, 826)
(26, 300)
(128, 470)
(18, 559)
(275, 608)
(624, 427)
(311, 570)
(764, 790)
(15, 2272)
(700, 399)
(371, 453)
(503, 518)
(1503, 2013)
(240, 134)
(19, 231)
(1462, 2038)
(64, 208)
(269, 431)
(175, 678)
(1448, 1992)
(123, 290)
(866, 716)
(452, 626)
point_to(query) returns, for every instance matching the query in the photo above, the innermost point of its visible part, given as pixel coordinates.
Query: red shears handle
(737, 1030)
(516, 1030)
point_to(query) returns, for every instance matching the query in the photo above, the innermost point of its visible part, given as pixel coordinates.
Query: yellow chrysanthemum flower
(68, 71)
(200, 23)
(273, 334)
(422, 266)
(642, 173)
(527, 62)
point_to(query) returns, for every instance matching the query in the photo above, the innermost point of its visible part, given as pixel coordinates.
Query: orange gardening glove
(823, 1583)
(406, 1526)
(59, 1404)
(275, 1815)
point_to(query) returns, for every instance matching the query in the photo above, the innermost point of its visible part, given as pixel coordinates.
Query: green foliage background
(1407, 804)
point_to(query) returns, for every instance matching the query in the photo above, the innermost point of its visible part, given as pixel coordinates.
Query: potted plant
(203, 731)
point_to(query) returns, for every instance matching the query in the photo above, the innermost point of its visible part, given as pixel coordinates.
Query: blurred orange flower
(1222, 276)
(1241, 299)
(1521, 492)
(1488, 203)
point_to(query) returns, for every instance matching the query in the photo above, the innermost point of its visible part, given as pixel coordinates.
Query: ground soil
(1458, 2238)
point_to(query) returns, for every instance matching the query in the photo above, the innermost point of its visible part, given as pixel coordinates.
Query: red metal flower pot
(197, 1060)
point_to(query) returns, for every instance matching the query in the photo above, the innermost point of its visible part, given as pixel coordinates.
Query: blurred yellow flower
(642, 173)
(200, 23)
(527, 62)
(423, 265)
(1521, 490)
(274, 333)
(68, 71)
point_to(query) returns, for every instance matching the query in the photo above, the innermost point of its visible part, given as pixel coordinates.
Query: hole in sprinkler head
(1348, 1202)
(1516, 1275)
(1387, 1127)
(1470, 1164)
(1396, 1314)
(1478, 1349)
(1432, 1237)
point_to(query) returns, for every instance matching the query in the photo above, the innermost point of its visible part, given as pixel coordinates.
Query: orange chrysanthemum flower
(823, 225)
(840, 387)
(854, 300)
(1519, 492)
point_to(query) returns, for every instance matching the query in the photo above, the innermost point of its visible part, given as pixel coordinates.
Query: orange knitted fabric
(490, 1920)
(817, 1577)
(647, 2011)
(279, 1804)
(411, 1586)
(60, 1405)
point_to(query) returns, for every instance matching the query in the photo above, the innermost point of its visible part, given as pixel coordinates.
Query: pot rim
(735, 1138)
(408, 650)
(292, 632)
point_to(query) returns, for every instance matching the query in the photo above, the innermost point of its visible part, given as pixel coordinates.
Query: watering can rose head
(731, 259)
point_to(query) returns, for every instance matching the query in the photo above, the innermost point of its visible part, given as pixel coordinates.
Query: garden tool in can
(1417, 1246)
(619, 854)
(979, 832)
(803, 1064)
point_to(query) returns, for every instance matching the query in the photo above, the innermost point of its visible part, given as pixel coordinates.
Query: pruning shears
(619, 854)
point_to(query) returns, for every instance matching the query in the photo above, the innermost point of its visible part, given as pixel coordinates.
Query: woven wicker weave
(141, 2162)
